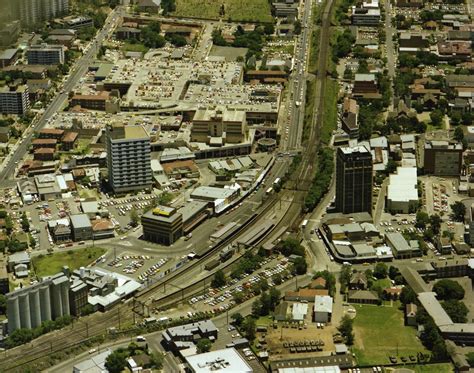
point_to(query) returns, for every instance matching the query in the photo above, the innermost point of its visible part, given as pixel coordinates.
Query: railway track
(31, 354)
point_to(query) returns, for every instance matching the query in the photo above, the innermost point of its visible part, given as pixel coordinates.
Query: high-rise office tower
(128, 158)
(354, 171)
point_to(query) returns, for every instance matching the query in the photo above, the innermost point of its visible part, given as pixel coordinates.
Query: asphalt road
(76, 72)
(298, 87)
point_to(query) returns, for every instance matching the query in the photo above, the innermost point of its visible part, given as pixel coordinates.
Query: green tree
(380, 270)
(249, 328)
(204, 345)
(448, 234)
(277, 279)
(435, 222)
(238, 318)
(300, 266)
(422, 219)
(436, 117)
(456, 309)
(459, 211)
(25, 224)
(274, 295)
(269, 29)
(470, 358)
(116, 361)
(346, 329)
(134, 218)
(446, 289)
(238, 297)
(219, 279)
(391, 167)
(344, 277)
(393, 272)
(297, 27)
(407, 295)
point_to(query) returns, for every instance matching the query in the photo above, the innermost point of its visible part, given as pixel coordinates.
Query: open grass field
(137, 47)
(330, 110)
(235, 10)
(47, 265)
(380, 333)
(432, 368)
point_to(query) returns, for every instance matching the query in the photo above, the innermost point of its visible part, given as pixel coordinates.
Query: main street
(76, 72)
(297, 87)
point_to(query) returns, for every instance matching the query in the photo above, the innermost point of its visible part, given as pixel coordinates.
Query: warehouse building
(402, 191)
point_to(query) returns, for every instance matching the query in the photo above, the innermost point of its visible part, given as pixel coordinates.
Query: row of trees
(22, 336)
(116, 362)
(321, 180)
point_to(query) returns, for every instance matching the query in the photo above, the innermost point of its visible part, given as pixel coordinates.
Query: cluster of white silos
(30, 306)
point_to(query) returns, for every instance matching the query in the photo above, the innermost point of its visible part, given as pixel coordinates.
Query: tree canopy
(446, 289)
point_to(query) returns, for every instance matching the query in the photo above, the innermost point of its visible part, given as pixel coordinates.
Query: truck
(269, 191)
(277, 181)
(304, 223)
(211, 265)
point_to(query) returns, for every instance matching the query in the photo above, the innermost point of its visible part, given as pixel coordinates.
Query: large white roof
(403, 185)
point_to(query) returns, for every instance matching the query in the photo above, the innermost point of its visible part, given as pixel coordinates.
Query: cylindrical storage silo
(45, 302)
(35, 308)
(13, 314)
(65, 297)
(24, 302)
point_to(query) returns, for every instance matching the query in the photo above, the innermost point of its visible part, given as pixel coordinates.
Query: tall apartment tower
(14, 100)
(30, 306)
(31, 12)
(128, 158)
(354, 171)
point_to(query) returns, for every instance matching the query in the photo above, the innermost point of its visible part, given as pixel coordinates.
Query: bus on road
(304, 223)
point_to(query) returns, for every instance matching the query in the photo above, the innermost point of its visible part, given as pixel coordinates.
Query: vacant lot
(380, 333)
(46, 265)
(235, 10)
(229, 53)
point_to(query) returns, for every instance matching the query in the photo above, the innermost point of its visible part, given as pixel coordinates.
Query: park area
(235, 10)
(47, 265)
(380, 332)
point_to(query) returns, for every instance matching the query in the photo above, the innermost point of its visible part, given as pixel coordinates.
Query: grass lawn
(384, 283)
(432, 368)
(264, 321)
(236, 10)
(137, 47)
(380, 332)
(330, 110)
(47, 265)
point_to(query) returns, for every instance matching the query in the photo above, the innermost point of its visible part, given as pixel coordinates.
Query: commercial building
(349, 118)
(217, 198)
(91, 102)
(8, 57)
(30, 306)
(354, 170)
(402, 191)
(189, 333)
(128, 158)
(81, 227)
(45, 54)
(219, 361)
(443, 158)
(14, 100)
(163, 225)
(322, 308)
(219, 126)
(76, 23)
(365, 17)
(94, 364)
(400, 247)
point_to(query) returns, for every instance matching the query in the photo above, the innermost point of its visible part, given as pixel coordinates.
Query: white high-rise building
(31, 12)
(128, 158)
